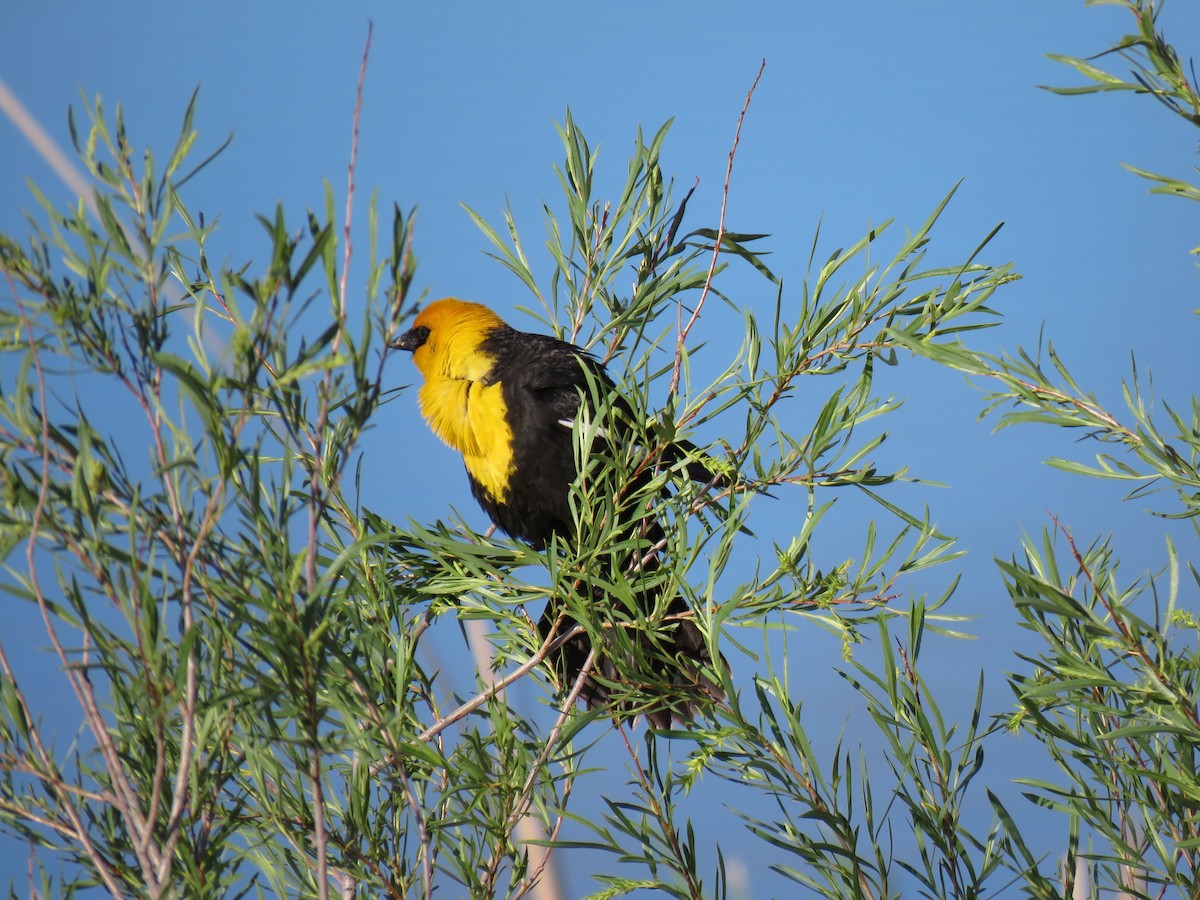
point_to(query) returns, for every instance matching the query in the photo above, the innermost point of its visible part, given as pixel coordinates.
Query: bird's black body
(543, 380)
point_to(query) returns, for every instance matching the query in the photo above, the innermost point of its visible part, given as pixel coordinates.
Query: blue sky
(866, 111)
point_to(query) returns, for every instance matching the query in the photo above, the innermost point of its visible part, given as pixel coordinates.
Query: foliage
(1113, 694)
(256, 659)
(1157, 70)
(249, 646)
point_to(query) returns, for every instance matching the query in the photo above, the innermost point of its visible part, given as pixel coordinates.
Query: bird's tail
(666, 671)
(657, 671)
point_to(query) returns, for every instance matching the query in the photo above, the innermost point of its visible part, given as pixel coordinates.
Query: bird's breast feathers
(471, 417)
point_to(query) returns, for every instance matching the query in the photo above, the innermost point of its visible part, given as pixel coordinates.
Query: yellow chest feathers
(472, 418)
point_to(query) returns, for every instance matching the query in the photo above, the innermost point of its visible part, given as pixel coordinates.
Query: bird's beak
(411, 339)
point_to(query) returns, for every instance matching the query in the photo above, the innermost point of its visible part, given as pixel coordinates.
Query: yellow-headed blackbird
(507, 400)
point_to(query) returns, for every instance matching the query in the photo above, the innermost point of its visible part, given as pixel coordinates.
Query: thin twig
(521, 808)
(397, 757)
(362, 76)
(319, 493)
(422, 830)
(90, 709)
(548, 647)
(1134, 647)
(320, 838)
(187, 706)
(535, 876)
(668, 827)
(712, 266)
(1132, 643)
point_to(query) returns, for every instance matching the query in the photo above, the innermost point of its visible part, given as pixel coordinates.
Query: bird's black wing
(554, 374)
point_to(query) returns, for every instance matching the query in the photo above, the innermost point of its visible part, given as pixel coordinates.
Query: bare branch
(549, 646)
(682, 336)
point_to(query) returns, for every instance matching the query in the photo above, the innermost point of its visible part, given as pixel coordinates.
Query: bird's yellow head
(462, 406)
(447, 337)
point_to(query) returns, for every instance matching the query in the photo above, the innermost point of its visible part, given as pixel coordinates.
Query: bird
(508, 401)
